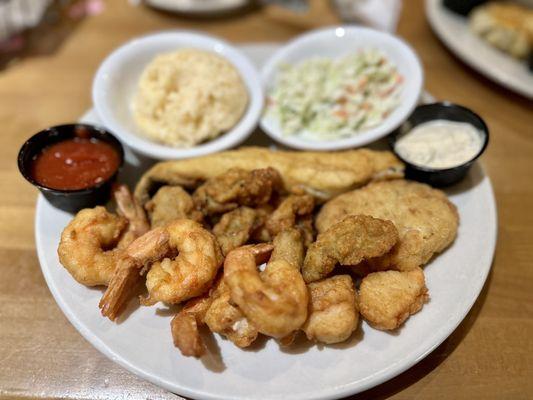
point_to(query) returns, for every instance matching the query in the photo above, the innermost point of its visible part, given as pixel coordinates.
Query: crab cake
(426, 220)
(388, 298)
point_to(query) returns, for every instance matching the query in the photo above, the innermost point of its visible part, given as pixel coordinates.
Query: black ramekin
(430, 112)
(69, 200)
(462, 7)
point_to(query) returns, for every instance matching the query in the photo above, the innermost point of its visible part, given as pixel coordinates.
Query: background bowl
(69, 200)
(116, 81)
(333, 43)
(430, 112)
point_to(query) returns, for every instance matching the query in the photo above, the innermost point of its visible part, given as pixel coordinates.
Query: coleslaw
(324, 98)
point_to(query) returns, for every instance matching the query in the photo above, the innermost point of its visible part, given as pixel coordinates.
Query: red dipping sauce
(73, 164)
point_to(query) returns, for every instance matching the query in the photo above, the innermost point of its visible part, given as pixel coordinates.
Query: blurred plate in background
(197, 6)
(455, 33)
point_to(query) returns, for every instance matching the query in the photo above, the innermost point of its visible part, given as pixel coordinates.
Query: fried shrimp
(190, 273)
(184, 326)
(333, 313)
(236, 187)
(275, 300)
(348, 242)
(227, 319)
(143, 251)
(172, 278)
(388, 298)
(88, 246)
(171, 203)
(128, 207)
(92, 243)
(235, 227)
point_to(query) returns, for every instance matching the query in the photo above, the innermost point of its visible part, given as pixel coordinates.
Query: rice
(188, 97)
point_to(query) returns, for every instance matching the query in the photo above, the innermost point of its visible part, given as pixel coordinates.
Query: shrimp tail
(186, 336)
(120, 289)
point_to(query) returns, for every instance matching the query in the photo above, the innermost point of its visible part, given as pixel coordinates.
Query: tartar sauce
(440, 144)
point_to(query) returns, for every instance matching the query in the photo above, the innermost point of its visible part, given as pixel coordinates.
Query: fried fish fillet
(348, 242)
(426, 220)
(321, 174)
(388, 298)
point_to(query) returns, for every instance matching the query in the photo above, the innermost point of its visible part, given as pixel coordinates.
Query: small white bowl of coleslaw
(339, 87)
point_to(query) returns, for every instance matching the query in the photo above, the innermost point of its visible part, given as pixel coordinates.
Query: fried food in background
(506, 26)
(426, 220)
(348, 242)
(388, 298)
(171, 203)
(333, 313)
(321, 174)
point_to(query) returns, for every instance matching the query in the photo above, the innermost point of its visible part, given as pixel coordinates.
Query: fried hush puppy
(348, 242)
(333, 313)
(388, 298)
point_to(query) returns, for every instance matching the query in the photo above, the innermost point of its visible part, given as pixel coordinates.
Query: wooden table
(489, 356)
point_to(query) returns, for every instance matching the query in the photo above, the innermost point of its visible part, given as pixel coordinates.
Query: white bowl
(333, 43)
(116, 81)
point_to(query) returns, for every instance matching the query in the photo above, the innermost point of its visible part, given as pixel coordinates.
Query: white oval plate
(336, 42)
(454, 32)
(142, 342)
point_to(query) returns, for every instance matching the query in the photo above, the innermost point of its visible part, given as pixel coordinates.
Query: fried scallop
(333, 313)
(236, 187)
(426, 220)
(348, 242)
(235, 227)
(171, 203)
(388, 298)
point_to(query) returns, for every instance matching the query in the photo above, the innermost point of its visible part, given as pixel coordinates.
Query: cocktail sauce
(75, 164)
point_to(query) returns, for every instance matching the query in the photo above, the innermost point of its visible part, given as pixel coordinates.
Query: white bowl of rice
(179, 94)
(339, 87)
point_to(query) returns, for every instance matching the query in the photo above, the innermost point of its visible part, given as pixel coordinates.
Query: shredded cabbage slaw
(322, 98)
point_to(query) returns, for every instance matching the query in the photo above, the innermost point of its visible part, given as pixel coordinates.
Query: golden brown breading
(333, 313)
(296, 210)
(321, 174)
(184, 326)
(171, 203)
(348, 242)
(426, 220)
(227, 319)
(235, 227)
(236, 187)
(387, 298)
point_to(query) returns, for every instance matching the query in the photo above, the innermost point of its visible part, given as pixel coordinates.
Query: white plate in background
(198, 6)
(142, 343)
(496, 65)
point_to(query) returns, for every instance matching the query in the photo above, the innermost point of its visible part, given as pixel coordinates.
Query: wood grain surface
(489, 356)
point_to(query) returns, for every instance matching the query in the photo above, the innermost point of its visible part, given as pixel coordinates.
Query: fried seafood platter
(254, 243)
